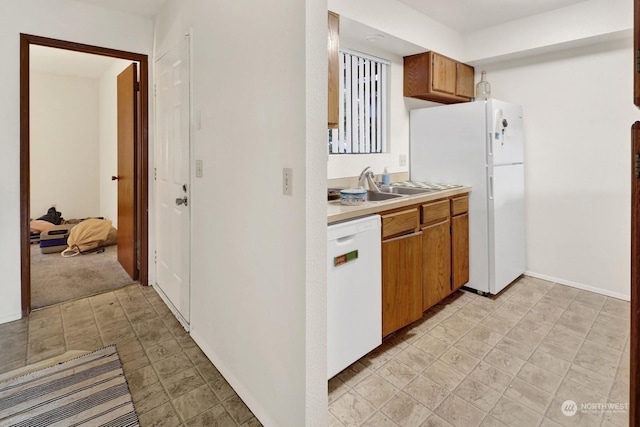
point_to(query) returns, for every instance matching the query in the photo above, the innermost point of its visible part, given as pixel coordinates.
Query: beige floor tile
(473, 347)
(351, 409)
(600, 359)
(182, 383)
(148, 398)
(491, 376)
(415, 358)
(337, 388)
(426, 392)
(431, 345)
(489, 421)
(616, 307)
(589, 378)
(540, 378)
(163, 416)
(515, 348)
(379, 420)
(195, 402)
(459, 413)
(435, 421)
(376, 390)
(221, 388)
(525, 336)
(569, 390)
(459, 360)
(549, 362)
(504, 361)
(478, 394)
(513, 413)
(444, 375)
(143, 377)
(529, 395)
(484, 335)
(405, 411)
(216, 416)
(237, 409)
(446, 334)
(163, 350)
(172, 365)
(397, 373)
(355, 373)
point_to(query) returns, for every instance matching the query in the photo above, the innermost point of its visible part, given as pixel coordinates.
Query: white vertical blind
(363, 105)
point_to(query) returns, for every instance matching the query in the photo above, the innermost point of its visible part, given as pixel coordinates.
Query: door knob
(182, 201)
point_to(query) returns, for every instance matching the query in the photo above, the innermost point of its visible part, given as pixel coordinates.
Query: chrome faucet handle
(363, 174)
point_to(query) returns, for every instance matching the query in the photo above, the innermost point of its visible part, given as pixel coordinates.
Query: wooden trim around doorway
(142, 155)
(634, 344)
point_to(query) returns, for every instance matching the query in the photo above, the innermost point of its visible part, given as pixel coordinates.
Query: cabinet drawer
(459, 205)
(398, 223)
(434, 212)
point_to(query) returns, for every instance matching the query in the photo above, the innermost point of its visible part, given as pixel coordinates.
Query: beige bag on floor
(88, 235)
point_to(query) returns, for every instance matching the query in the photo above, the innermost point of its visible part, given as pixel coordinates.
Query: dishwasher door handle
(346, 239)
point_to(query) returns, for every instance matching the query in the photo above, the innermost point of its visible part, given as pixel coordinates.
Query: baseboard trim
(579, 286)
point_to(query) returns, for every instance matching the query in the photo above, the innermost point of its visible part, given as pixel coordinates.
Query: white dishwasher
(354, 291)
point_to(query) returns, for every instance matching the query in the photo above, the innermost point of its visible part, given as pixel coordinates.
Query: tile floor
(510, 360)
(171, 381)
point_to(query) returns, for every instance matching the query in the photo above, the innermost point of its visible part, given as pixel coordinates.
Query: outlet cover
(403, 160)
(287, 181)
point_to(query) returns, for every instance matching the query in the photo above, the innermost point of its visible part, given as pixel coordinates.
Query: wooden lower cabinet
(459, 251)
(436, 263)
(401, 281)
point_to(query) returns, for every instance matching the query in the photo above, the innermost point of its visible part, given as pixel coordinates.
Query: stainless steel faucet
(368, 175)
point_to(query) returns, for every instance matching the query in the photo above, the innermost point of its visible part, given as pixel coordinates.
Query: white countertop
(337, 212)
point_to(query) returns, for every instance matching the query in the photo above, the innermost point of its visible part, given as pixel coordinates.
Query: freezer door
(505, 133)
(506, 225)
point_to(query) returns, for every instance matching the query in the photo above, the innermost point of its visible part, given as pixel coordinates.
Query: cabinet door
(334, 70)
(459, 250)
(443, 77)
(436, 263)
(401, 282)
(464, 80)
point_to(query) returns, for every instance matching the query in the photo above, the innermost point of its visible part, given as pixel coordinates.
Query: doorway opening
(134, 253)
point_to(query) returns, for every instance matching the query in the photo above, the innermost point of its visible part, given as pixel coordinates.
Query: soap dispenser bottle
(386, 179)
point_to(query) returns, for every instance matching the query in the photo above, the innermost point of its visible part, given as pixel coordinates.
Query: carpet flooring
(90, 389)
(55, 279)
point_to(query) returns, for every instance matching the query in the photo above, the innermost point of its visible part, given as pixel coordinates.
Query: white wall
(578, 110)
(258, 257)
(60, 19)
(108, 140)
(64, 145)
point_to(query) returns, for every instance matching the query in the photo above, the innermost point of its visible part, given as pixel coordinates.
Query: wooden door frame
(141, 154)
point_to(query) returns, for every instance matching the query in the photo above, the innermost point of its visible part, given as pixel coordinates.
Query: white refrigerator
(479, 144)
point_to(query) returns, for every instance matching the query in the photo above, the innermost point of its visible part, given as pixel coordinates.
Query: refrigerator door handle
(490, 144)
(490, 187)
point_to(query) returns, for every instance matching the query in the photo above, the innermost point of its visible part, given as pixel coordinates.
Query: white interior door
(173, 226)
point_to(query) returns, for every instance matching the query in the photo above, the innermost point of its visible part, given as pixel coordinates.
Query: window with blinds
(363, 105)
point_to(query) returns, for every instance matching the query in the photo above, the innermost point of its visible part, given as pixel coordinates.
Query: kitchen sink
(374, 196)
(405, 190)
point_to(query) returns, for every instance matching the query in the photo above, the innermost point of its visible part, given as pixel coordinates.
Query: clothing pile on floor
(52, 232)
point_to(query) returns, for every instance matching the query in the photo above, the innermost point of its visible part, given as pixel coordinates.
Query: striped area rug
(90, 389)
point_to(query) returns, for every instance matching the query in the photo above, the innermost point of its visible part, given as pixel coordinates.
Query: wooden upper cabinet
(334, 70)
(464, 80)
(443, 78)
(434, 77)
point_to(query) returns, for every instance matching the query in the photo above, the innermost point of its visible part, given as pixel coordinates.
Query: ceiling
(466, 16)
(148, 8)
(68, 63)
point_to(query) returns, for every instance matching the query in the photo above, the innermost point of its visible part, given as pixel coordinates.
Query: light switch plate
(403, 160)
